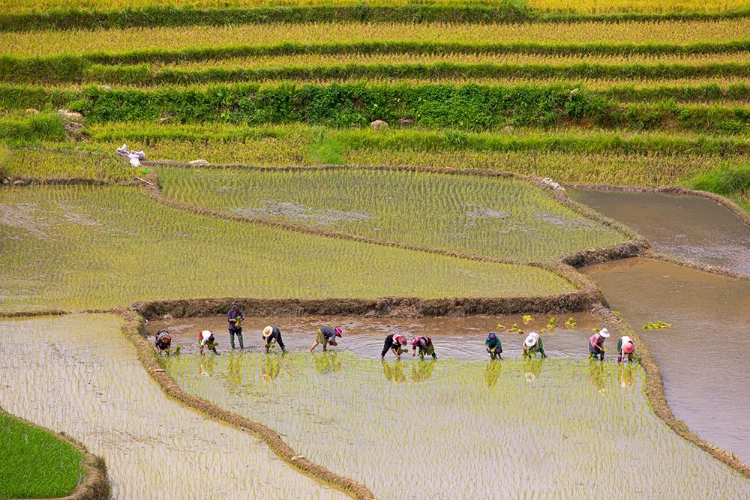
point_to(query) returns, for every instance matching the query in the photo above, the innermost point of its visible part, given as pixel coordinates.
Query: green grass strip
(36, 463)
(509, 12)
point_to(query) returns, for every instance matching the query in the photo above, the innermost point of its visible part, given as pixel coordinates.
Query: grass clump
(36, 464)
(726, 180)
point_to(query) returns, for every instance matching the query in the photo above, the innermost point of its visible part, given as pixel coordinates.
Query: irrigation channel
(526, 426)
(703, 356)
(80, 375)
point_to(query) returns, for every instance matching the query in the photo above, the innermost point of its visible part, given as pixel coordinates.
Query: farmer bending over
(271, 335)
(326, 335)
(163, 341)
(596, 344)
(625, 346)
(393, 342)
(494, 347)
(532, 345)
(234, 317)
(206, 340)
(424, 344)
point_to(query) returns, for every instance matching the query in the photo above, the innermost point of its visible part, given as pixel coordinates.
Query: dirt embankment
(655, 391)
(95, 485)
(134, 330)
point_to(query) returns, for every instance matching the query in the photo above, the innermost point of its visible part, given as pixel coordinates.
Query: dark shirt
(389, 344)
(234, 314)
(275, 336)
(159, 337)
(328, 332)
(494, 344)
(423, 343)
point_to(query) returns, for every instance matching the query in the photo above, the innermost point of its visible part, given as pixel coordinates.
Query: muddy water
(690, 227)
(461, 338)
(78, 374)
(704, 356)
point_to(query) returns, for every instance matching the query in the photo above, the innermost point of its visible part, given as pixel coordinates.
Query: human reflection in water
(234, 371)
(627, 373)
(271, 368)
(422, 371)
(206, 366)
(492, 373)
(596, 376)
(394, 371)
(532, 369)
(327, 362)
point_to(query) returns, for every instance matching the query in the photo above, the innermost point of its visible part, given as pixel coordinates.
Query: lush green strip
(726, 180)
(38, 127)
(57, 70)
(149, 134)
(377, 47)
(35, 463)
(678, 93)
(508, 12)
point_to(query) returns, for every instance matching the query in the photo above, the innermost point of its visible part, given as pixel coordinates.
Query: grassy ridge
(36, 463)
(151, 15)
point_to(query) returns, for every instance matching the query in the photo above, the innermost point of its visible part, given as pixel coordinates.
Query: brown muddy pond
(690, 227)
(704, 355)
(461, 338)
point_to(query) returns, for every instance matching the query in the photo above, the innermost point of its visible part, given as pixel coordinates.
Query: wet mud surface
(704, 355)
(461, 338)
(78, 374)
(689, 227)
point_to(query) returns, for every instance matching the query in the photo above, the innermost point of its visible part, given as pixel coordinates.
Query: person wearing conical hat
(325, 336)
(494, 346)
(625, 346)
(271, 335)
(596, 344)
(395, 343)
(234, 317)
(532, 345)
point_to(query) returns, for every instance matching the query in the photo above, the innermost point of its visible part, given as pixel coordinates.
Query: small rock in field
(406, 122)
(71, 115)
(167, 316)
(32, 111)
(378, 124)
(198, 163)
(18, 182)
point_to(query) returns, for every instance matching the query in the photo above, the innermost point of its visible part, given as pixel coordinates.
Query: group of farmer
(395, 342)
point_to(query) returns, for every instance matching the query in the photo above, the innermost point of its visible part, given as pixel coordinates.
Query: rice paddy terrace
(302, 208)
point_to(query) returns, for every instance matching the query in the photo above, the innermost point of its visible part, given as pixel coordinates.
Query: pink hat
(628, 348)
(338, 332)
(414, 341)
(400, 339)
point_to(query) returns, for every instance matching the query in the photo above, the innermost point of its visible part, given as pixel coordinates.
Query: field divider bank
(134, 331)
(95, 484)
(509, 12)
(655, 391)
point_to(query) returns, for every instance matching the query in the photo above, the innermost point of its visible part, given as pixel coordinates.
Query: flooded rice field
(703, 356)
(79, 375)
(461, 338)
(451, 429)
(690, 227)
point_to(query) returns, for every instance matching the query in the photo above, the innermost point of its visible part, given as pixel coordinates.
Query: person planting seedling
(395, 343)
(493, 346)
(532, 345)
(163, 342)
(235, 317)
(625, 346)
(424, 345)
(206, 340)
(325, 336)
(596, 344)
(271, 336)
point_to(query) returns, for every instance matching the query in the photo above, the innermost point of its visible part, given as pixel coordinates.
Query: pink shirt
(596, 340)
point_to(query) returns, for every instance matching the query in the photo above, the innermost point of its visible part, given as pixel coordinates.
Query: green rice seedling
(570, 323)
(494, 217)
(37, 464)
(659, 325)
(527, 319)
(79, 247)
(102, 396)
(556, 414)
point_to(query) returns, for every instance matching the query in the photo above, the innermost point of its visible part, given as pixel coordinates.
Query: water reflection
(532, 369)
(234, 371)
(272, 368)
(422, 370)
(627, 374)
(596, 376)
(394, 371)
(327, 362)
(206, 366)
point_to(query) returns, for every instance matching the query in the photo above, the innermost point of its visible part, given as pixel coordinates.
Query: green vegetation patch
(421, 423)
(496, 217)
(78, 247)
(48, 164)
(36, 463)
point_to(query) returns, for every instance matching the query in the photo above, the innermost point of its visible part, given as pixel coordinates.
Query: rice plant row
(533, 429)
(153, 446)
(501, 218)
(78, 248)
(114, 41)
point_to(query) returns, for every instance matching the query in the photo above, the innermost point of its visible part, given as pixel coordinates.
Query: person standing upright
(234, 317)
